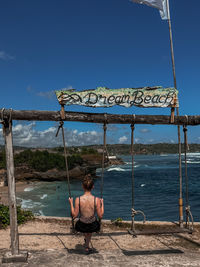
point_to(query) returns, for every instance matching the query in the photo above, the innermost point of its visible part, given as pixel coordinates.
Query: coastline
(49, 198)
(20, 186)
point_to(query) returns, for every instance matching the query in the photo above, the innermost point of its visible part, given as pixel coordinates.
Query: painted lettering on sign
(127, 97)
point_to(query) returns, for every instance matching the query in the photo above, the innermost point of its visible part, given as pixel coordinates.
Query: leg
(87, 239)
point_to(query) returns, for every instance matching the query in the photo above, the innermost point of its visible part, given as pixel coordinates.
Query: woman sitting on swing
(86, 206)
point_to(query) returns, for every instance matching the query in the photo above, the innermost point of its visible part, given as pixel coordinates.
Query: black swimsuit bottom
(87, 227)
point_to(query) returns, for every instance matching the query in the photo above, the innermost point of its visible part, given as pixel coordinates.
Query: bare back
(87, 206)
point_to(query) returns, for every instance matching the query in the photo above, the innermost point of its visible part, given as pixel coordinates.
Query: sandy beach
(20, 186)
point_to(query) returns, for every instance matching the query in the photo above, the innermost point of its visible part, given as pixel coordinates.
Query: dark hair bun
(88, 182)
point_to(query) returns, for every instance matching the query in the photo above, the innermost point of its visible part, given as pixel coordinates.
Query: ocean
(156, 190)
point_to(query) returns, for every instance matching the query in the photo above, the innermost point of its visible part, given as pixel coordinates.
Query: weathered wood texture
(7, 127)
(38, 115)
(156, 96)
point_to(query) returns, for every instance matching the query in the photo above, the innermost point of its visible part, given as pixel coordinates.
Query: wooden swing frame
(8, 115)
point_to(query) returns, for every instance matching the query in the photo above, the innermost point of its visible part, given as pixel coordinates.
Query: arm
(74, 210)
(100, 207)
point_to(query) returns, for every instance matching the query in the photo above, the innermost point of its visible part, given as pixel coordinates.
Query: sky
(50, 45)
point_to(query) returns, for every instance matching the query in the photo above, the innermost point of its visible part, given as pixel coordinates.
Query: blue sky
(48, 45)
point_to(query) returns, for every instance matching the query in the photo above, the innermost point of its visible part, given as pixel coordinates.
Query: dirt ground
(53, 235)
(49, 242)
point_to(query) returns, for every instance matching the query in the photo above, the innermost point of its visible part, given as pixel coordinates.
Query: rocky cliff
(89, 166)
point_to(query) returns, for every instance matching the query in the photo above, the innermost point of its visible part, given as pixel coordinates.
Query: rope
(2, 115)
(6, 122)
(186, 116)
(133, 177)
(189, 215)
(186, 130)
(135, 212)
(10, 118)
(103, 159)
(66, 165)
(180, 176)
(103, 156)
(132, 159)
(187, 208)
(185, 156)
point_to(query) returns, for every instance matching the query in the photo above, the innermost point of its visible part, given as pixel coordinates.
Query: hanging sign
(127, 97)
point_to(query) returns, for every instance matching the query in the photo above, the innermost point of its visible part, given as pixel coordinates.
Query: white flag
(159, 4)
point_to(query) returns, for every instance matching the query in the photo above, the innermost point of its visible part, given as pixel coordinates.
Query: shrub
(2, 159)
(22, 216)
(43, 160)
(88, 150)
(117, 222)
(4, 216)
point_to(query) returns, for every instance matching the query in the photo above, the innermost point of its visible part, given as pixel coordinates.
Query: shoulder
(97, 200)
(77, 199)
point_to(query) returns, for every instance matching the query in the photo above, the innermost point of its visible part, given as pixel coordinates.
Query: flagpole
(177, 111)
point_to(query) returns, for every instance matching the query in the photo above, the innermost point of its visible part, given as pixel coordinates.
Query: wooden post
(7, 127)
(62, 112)
(5, 180)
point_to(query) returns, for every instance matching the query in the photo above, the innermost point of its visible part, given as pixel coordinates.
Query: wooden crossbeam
(40, 115)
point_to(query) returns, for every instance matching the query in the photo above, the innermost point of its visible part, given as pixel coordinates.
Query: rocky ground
(50, 243)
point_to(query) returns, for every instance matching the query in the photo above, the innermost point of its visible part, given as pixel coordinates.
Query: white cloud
(137, 140)
(27, 135)
(151, 140)
(93, 133)
(122, 139)
(49, 94)
(5, 56)
(144, 130)
(45, 94)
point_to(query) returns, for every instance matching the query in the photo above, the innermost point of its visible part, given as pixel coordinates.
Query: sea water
(156, 189)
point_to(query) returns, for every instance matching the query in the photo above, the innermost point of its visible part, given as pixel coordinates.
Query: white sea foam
(118, 169)
(41, 213)
(130, 163)
(29, 204)
(28, 189)
(44, 196)
(197, 154)
(193, 162)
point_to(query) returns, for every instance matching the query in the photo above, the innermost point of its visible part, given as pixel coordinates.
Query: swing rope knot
(135, 212)
(189, 214)
(59, 127)
(184, 128)
(186, 117)
(2, 116)
(187, 208)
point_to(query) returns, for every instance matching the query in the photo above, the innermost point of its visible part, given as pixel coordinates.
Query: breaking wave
(118, 169)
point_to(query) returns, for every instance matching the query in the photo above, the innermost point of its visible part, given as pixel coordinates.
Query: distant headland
(48, 164)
